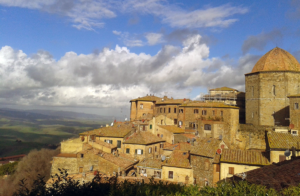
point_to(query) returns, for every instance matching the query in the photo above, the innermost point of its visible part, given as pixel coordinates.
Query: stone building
(235, 161)
(229, 96)
(143, 145)
(142, 106)
(273, 78)
(294, 113)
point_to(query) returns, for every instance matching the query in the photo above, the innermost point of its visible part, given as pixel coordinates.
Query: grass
(36, 135)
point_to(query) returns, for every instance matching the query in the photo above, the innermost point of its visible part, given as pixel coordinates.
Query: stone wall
(295, 113)
(251, 136)
(269, 104)
(64, 163)
(159, 120)
(114, 140)
(133, 109)
(145, 148)
(72, 145)
(167, 110)
(200, 170)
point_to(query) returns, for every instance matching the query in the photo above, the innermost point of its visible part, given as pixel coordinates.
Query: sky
(94, 56)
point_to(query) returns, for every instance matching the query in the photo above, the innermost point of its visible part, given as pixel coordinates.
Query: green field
(38, 134)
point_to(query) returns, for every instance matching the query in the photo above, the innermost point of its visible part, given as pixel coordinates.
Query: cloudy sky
(94, 56)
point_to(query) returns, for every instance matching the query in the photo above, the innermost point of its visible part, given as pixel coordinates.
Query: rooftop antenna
(163, 158)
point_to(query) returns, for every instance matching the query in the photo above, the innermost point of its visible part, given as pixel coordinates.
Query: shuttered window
(170, 174)
(217, 168)
(231, 170)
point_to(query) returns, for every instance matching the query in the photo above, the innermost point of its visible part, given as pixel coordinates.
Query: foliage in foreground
(8, 169)
(67, 186)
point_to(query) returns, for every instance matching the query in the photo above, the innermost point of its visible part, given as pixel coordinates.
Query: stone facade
(69, 163)
(295, 112)
(140, 152)
(203, 170)
(267, 94)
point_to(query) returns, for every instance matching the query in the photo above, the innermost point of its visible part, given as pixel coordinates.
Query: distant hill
(49, 115)
(71, 115)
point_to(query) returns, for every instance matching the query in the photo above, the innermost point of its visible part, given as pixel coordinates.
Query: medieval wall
(68, 163)
(202, 171)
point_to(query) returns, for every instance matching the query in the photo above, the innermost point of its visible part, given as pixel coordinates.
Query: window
(164, 110)
(282, 158)
(80, 169)
(81, 155)
(196, 111)
(170, 174)
(141, 106)
(203, 112)
(296, 106)
(180, 123)
(221, 113)
(231, 170)
(150, 150)
(144, 114)
(119, 143)
(108, 141)
(217, 168)
(144, 127)
(138, 151)
(174, 110)
(161, 145)
(127, 150)
(169, 110)
(252, 89)
(162, 121)
(213, 112)
(175, 121)
(207, 127)
(160, 110)
(150, 126)
(157, 135)
(155, 148)
(180, 110)
(274, 90)
(161, 135)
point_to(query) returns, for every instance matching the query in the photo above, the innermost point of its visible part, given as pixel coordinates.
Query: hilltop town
(224, 135)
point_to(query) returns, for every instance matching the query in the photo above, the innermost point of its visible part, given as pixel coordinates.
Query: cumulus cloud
(261, 40)
(112, 77)
(89, 14)
(129, 39)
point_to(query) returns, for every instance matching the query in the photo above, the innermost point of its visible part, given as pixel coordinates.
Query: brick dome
(277, 59)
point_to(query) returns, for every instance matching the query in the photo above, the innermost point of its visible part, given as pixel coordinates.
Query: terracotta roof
(105, 144)
(188, 135)
(282, 140)
(248, 157)
(171, 101)
(143, 138)
(151, 163)
(122, 160)
(224, 88)
(206, 147)
(202, 104)
(66, 155)
(13, 157)
(120, 130)
(277, 59)
(178, 138)
(172, 128)
(178, 158)
(147, 98)
(179, 146)
(277, 175)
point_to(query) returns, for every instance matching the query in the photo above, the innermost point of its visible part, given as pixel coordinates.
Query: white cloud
(154, 38)
(116, 32)
(114, 76)
(89, 14)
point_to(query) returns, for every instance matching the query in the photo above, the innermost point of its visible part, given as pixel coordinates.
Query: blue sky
(94, 56)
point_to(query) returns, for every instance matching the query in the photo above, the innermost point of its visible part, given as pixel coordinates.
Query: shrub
(8, 169)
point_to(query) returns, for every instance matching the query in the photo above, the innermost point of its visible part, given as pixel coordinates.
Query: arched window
(207, 127)
(141, 106)
(196, 111)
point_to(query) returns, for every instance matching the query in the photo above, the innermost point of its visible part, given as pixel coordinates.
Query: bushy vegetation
(30, 167)
(101, 186)
(8, 169)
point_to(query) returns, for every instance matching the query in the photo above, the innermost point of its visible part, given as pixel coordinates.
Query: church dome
(277, 59)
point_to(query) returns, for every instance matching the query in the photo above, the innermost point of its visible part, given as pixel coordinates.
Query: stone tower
(275, 76)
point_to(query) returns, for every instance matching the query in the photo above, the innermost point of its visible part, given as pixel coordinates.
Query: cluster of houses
(226, 134)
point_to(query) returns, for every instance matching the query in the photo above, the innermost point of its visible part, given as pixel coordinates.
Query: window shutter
(135, 151)
(104, 140)
(150, 126)
(141, 151)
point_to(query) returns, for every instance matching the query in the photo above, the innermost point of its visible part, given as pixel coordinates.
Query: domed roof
(277, 59)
